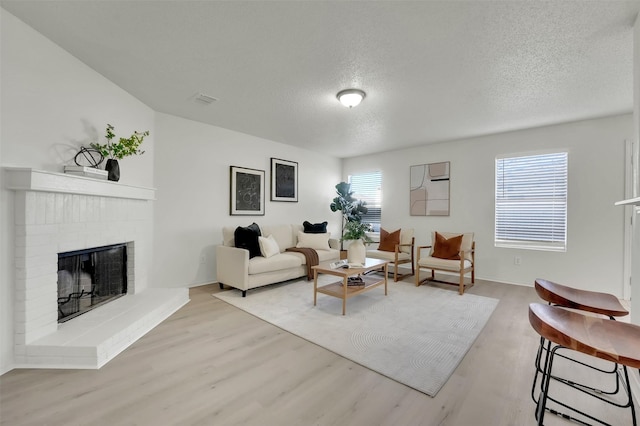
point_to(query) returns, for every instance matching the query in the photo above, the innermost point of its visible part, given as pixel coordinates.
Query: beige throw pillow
(268, 246)
(314, 241)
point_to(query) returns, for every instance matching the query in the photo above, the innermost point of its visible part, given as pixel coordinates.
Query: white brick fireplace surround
(57, 213)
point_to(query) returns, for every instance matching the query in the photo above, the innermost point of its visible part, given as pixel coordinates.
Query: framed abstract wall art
(247, 192)
(429, 189)
(284, 180)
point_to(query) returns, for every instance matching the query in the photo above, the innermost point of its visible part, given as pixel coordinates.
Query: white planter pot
(356, 252)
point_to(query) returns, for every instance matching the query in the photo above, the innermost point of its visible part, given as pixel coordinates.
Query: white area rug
(415, 335)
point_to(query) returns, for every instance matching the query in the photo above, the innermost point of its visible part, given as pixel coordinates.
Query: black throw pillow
(247, 238)
(314, 228)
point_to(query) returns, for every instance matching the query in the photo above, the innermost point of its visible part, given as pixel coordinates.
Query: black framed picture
(284, 180)
(247, 192)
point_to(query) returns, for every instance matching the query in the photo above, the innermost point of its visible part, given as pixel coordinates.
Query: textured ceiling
(433, 70)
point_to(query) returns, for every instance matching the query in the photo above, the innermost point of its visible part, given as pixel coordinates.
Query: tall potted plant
(351, 208)
(115, 151)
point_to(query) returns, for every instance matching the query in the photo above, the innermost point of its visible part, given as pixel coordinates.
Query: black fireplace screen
(89, 278)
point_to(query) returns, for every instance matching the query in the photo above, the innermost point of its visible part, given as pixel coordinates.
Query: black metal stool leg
(538, 370)
(631, 404)
(544, 398)
(546, 381)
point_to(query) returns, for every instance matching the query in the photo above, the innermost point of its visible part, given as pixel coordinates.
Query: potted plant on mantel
(115, 151)
(356, 232)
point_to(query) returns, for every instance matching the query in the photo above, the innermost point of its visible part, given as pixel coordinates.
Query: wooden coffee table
(342, 289)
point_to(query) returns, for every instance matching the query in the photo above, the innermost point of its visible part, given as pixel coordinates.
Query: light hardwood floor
(213, 364)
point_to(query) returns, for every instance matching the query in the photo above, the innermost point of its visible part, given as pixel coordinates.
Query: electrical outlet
(517, 260)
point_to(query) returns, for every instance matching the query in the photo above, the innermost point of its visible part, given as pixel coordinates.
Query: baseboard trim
(8, 368)
(478, 278)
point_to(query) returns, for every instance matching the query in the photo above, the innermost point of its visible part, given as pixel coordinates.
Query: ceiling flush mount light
(351, 97)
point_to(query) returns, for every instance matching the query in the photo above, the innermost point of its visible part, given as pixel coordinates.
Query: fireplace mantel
(26, 179)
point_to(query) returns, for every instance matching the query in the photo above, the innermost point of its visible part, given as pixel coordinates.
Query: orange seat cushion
(447, 248)
(388, 241)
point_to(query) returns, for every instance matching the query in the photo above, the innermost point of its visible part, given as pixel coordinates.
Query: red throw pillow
(447, 248)
(388, 241)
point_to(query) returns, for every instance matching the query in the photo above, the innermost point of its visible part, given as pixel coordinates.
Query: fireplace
(55, 214)
(90, 278)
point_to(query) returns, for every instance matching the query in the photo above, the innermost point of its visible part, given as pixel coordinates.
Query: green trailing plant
(124, 147)
(357, 231)
(351, 208)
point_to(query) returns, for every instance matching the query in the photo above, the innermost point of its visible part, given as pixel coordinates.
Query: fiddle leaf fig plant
(351, 208)
(124, 147)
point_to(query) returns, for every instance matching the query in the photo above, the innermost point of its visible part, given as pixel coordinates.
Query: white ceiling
(433, 70)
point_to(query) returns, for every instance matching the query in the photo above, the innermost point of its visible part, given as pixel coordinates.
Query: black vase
(113, 168)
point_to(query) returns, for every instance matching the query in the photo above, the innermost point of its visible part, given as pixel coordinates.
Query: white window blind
(531, 202)
(368, 188)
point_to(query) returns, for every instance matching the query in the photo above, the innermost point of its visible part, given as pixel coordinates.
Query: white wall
(192, 176)
(6, 242)
(635, 250)
(593, 259)
(51, 105)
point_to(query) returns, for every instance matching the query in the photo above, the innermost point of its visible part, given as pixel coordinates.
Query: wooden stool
(584, 300)
(590, 301)
(597, 337)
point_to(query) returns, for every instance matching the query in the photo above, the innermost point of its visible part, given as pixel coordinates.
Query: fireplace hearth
(90, 278)
(57, 213)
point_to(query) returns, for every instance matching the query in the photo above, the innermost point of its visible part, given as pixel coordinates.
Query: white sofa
(235, 269)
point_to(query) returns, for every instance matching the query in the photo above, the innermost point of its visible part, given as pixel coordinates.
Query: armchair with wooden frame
(454, 252)
(398, 252)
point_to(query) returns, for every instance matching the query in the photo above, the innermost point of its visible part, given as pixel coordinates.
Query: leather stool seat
(584, 300)
(598, 337)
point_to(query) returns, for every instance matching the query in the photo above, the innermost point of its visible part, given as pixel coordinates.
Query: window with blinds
(368, 188)
(531, 202)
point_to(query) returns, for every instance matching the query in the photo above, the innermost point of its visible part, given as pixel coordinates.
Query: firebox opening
(89, 278)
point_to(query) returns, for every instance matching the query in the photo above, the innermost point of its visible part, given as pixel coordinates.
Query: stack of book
(355, 281)
(85, 171)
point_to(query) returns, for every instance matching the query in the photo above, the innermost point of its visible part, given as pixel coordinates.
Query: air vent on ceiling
(205, 99)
